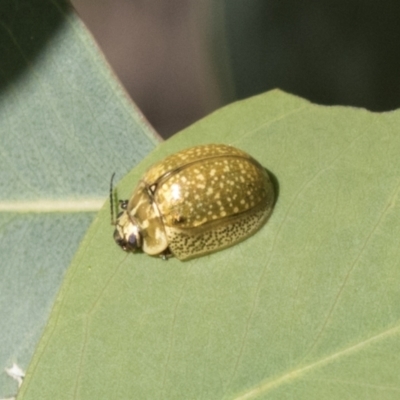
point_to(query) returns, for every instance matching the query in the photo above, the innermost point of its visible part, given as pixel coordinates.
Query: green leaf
(307, 308)
(66, 126)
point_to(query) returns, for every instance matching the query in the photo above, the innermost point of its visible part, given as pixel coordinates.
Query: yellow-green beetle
(194, 202)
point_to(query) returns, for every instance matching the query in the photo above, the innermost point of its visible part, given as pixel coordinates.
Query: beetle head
(127, 233)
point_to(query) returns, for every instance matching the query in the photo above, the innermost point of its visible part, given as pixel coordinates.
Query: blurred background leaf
(307, 308)
(66, 125)
(196, 56)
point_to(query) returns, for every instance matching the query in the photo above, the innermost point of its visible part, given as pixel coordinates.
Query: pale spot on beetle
(200, 177)
(217, 196)
(210, 191)
(175, 192)
(223, 213)
(235, 210)
(212, 172)
(183, 179)
(200, 222)
(177, 218)
(153, 188)
(200, 186)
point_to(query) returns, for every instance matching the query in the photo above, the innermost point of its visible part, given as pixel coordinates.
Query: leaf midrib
(48, 206)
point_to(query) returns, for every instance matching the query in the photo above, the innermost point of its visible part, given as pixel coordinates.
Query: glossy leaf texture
(66, 126)
(307, 308)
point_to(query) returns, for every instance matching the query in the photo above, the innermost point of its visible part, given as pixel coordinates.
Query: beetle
(195, 202)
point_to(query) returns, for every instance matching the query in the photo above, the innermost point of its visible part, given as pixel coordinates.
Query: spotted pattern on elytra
(189, 244)
(211, 190)
(194, 154)
(197, 201)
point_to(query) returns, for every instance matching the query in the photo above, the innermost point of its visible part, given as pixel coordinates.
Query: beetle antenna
(112, 199)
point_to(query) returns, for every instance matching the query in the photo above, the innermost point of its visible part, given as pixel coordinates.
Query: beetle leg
(123, 204)
(166, 254)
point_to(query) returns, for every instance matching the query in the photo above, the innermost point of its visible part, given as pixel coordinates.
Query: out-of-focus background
(181, 59)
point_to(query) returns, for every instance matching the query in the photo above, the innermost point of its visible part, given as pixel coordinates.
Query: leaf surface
(306, 308)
